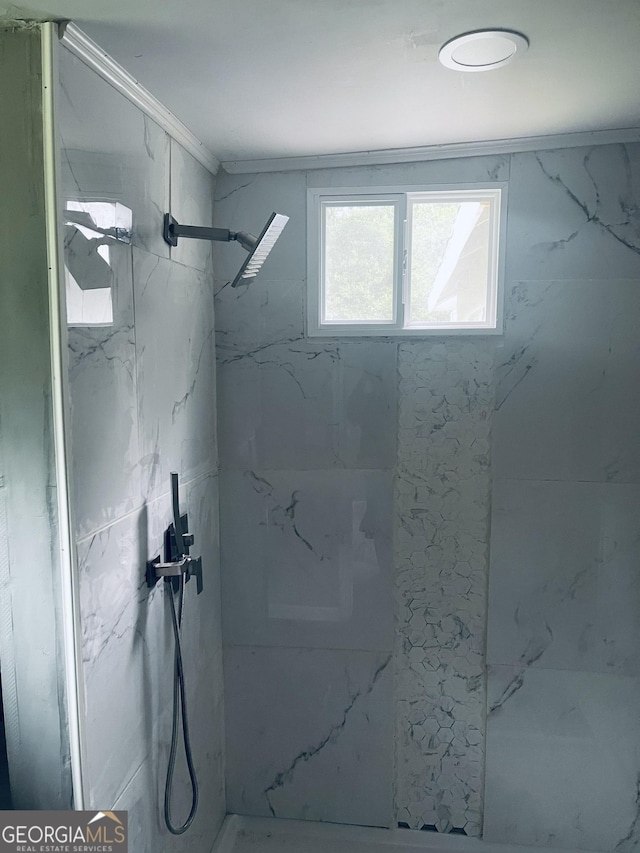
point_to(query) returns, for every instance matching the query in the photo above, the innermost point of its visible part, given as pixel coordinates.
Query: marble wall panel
(563, 759)
(454, 171)
(308, 559)
(176, 371)
(563, 412)
(191, 204)
(562, 627)
(573, 214)
(308, 405)
(128, 644)
(143, 404)
(145, 790)
(277, 416)
(244, 203)
(570, 355)
(139, 798)
(270, 313)
(564, 584)
(122, 643)
(206, 726)
(312, 738)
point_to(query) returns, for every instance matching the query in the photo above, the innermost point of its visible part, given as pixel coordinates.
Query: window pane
(449, 262)
(358, 263)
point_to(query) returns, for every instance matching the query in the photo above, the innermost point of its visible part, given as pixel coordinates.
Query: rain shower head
(258, 247)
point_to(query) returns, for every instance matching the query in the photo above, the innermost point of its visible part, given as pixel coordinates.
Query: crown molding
(79, 43)
(446, 151)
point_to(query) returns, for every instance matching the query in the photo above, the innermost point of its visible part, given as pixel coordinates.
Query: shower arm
(173, 230)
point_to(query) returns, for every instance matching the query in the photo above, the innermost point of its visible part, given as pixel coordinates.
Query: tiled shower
(142, 391)
(421, 595)
(450, 524)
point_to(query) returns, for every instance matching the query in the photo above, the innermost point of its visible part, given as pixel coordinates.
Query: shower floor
(268, 835)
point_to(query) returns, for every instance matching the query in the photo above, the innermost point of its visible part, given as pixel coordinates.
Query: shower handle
(173, 570)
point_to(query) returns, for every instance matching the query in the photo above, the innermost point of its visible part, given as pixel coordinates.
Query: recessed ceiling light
(482, 50)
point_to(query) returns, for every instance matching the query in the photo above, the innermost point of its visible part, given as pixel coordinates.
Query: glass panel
(449, 262)
(359, 263)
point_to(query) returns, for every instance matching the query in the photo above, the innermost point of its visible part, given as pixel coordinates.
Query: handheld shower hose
(178, 567)
(179, 693)
(179, 707)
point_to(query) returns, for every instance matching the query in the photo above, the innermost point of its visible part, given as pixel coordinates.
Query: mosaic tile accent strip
(442, 502)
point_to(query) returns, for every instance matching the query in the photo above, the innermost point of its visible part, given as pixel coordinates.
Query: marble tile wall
(312, 432)
(318, 486)
(307, 448)
(142, 390)
(563, 750)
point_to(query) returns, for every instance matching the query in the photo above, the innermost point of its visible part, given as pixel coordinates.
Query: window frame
(403, 197)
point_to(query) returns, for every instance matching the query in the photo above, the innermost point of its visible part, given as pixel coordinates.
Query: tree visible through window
(359, 263)
(389, 262)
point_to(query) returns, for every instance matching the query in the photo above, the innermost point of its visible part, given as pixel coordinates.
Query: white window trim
(319, 196)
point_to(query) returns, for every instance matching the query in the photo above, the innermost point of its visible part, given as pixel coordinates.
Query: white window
(398, 261)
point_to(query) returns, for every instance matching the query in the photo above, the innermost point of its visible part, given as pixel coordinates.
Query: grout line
(305, 648)
(145, 503)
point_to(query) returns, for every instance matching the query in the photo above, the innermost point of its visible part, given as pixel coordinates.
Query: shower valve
(177, 541)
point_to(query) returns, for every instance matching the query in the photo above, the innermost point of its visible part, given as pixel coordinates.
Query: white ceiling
(279, 78)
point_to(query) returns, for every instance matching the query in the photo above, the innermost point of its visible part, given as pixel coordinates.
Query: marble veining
(175, 364)
(250, 317)
(570, 349)
(285, 777)
(563, 759)
(562, 751)
(573, 214)
(626, 217)
(321, 404)
(547, 411)
(552, 596)
(442, 528)
(142, 389)
(118, 639)
(314, 725)
(244, 203)
(312, 558)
